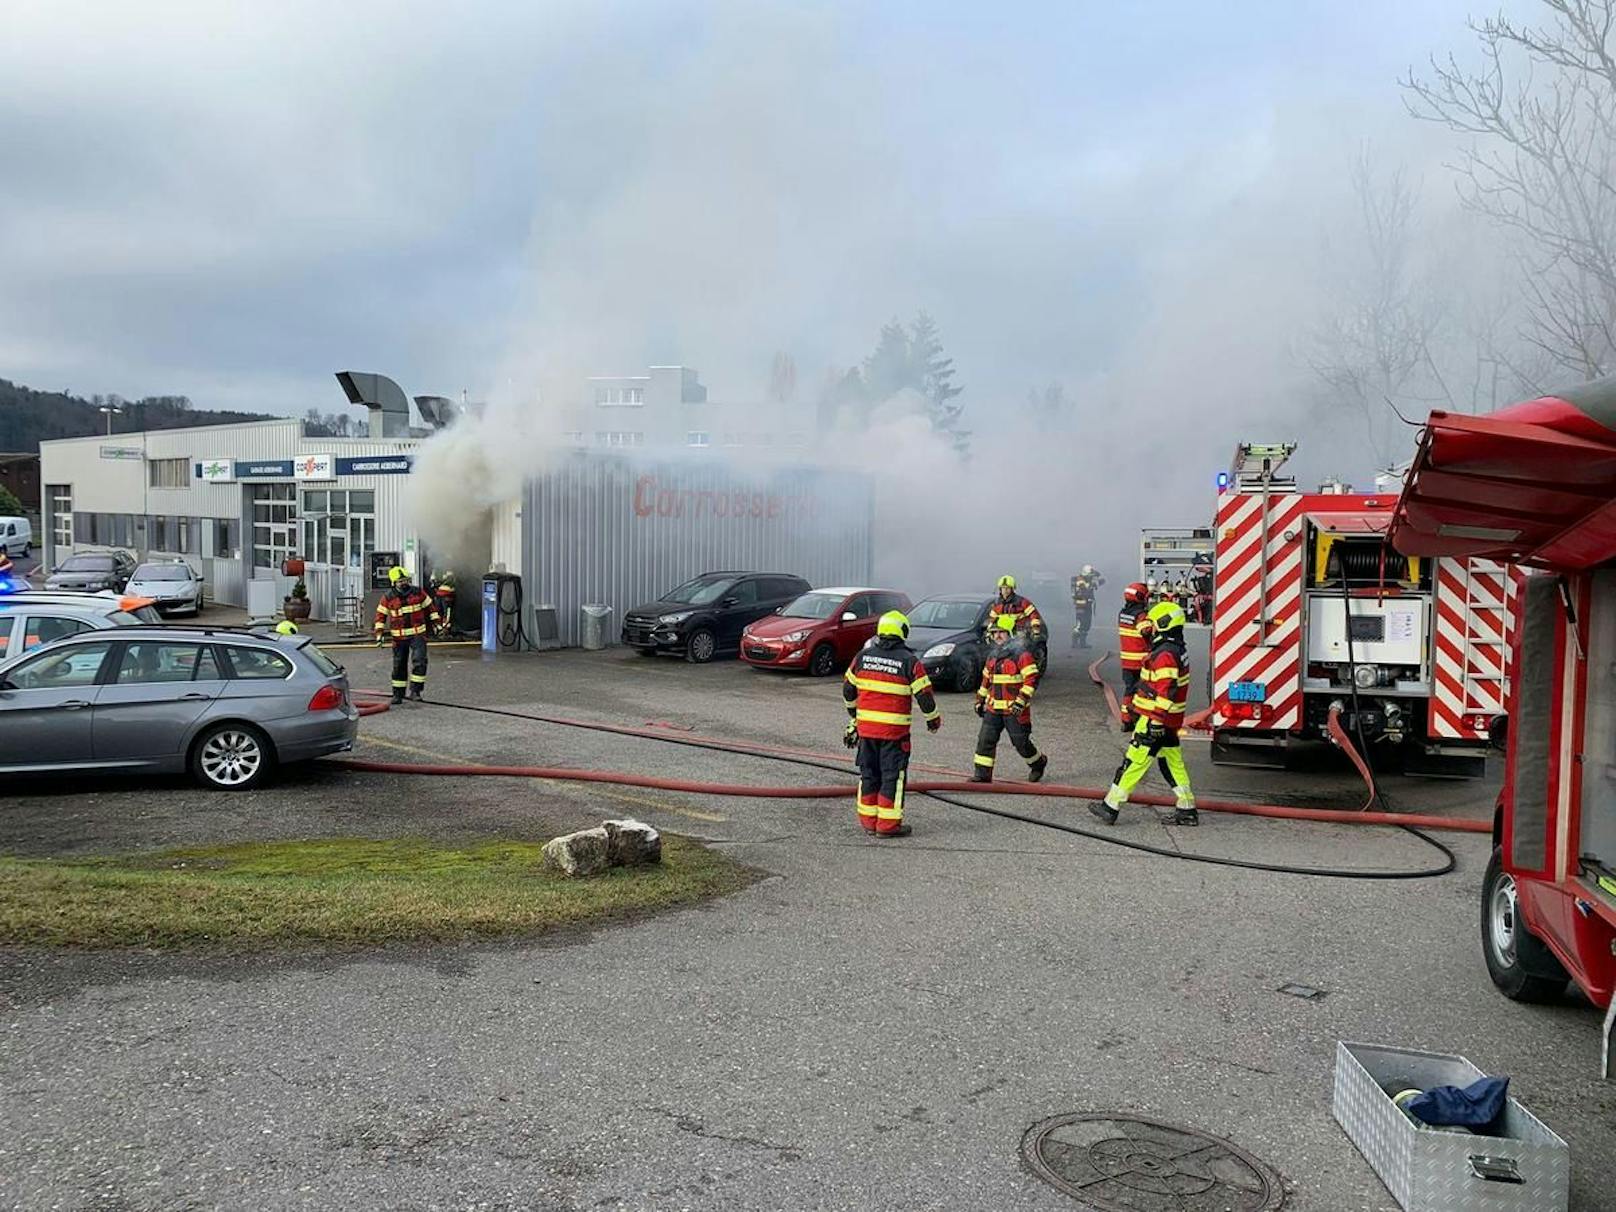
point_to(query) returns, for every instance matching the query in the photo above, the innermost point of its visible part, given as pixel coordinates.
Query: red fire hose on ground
(937, 790)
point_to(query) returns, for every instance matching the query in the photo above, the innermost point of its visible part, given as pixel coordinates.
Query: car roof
(978, 598)
(169, 631)
(86, 602)
(845, 590)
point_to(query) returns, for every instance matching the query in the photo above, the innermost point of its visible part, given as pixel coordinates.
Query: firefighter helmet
(1007, 581)
(395, 574)
(894, 623)
(286, 627)
(1137, 592)
(1088, 570)
(1166, 616)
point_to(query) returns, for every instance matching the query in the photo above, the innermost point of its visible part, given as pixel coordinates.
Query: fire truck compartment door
(1598, 833)
(1385, 631)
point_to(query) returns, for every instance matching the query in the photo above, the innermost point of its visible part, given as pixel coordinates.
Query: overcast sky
(232, 201)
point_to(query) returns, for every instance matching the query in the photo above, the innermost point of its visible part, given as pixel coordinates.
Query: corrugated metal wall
(607, 529)
(506, 542)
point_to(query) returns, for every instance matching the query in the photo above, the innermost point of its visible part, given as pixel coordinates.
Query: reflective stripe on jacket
(877, 689)
(1028, 620)
(402, 615)
(1133, 635)
(1008, 676)
(1164, 684)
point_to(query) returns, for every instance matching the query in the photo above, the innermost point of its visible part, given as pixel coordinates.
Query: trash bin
(597, 619)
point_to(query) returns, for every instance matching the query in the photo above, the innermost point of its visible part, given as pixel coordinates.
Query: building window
(274, 524)
(573, 437)
(698, 437)
(619, 437)
(339, 526)
(733, 439)
(226, 538)
(169, 473)
(61, 507)
(619, 397)
(158, 534)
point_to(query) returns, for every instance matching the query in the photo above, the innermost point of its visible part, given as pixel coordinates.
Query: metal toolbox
(1527, 1169)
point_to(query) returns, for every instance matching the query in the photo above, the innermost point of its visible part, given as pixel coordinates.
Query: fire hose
(939, 791)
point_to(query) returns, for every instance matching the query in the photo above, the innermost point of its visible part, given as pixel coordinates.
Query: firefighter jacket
(1083, 590)
(1009, 677)
(879, 683)
(1028, 620)
(5, 562)
(402, 615)
(1164, 683)
(1133, 635)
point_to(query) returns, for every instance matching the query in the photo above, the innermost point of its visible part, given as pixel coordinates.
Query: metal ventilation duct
(436, 411)
(389, 406)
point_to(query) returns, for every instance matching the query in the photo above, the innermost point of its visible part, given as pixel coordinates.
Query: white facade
(667, 408)
(234, 500)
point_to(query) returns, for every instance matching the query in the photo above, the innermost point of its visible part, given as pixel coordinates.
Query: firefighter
(1085, 586)
(879, 684)
(405, 615)
(443, 589)
(1133, 644)
(7, 569)
(1164, 685)
(1028, 621)
(1004, 702)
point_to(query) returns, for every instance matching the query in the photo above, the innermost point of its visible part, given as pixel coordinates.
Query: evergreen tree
(932, 375)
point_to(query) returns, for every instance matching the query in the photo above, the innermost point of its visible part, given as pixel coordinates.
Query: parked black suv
(706, 616)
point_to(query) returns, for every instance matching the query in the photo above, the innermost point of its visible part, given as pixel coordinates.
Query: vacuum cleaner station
(1455, 623)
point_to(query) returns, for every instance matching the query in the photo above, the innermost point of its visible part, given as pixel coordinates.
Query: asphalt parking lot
(875, 1025)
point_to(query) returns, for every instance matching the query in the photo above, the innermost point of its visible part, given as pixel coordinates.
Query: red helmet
(1137, 592)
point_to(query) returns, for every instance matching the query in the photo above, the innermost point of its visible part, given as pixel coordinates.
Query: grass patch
(337, 890)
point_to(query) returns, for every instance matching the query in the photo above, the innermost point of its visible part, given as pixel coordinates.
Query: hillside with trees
(28, 417)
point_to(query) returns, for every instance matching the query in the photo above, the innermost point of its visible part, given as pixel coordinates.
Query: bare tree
(1372, 352)
(1540, 113)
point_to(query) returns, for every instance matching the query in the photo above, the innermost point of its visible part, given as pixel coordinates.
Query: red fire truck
(1318, 614)
(1535, 485)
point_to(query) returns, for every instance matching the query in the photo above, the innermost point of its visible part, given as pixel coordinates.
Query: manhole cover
(1120, 1163)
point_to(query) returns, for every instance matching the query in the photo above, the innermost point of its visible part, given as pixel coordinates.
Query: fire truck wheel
(1521, 966)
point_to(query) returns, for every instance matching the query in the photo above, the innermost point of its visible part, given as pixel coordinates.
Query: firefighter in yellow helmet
(882, 679)
(1004, 701)
(1164, 685)
(405, 615)
(286, 627)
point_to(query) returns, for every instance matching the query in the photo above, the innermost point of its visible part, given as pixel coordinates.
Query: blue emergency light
(1223, 481)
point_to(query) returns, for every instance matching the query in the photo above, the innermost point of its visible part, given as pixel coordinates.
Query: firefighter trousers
(994, 724)
(1085, 617)
(1169, 758)
(409, 657)
(883, 766)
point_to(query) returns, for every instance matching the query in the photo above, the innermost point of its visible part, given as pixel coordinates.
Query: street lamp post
(109, 410)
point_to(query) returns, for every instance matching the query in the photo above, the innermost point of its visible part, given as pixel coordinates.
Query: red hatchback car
(819, 631)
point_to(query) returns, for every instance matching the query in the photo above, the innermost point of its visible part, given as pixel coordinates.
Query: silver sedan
(227, 705)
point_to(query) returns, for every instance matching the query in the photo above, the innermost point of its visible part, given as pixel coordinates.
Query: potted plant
(297, 606)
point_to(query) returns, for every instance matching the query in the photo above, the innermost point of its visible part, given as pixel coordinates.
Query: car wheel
(964, 673)
(231, 757)
(197, 609)
(702, 646)
(822, 661)
(1522, 967)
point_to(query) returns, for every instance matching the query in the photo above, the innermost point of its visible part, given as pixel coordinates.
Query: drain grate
(1121, 1163)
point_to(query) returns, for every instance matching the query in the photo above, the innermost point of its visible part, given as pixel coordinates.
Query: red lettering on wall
(644, 494)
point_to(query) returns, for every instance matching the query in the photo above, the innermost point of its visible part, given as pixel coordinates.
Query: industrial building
(593, 527)
(668, 407)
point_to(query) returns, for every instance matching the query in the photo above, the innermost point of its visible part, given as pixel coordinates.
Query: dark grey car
(229, 706)
(90, 571)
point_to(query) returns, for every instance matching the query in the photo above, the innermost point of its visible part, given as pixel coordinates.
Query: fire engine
(1535, 485)
(1318, 614)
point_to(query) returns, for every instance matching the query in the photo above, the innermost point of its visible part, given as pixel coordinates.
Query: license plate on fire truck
(1248, 692)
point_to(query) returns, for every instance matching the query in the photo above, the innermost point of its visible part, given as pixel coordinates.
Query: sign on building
(314, 467)
(216, 471)
(120, 452)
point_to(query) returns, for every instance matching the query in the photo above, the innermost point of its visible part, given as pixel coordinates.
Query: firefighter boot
(1106, 809)
(415, 691)
(901, 831)
(398, 696)
(1184, 813)
(982, 774)
(1036, 767)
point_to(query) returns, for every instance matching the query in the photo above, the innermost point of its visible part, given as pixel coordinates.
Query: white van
(17, 536)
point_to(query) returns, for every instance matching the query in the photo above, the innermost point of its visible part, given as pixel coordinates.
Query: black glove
(933, 724)
(981, 708)
(850, 738)
(1019, 706)
(1155, 732)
